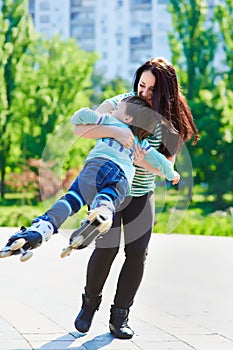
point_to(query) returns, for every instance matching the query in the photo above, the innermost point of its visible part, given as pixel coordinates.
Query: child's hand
(176, 179)
(139, 154)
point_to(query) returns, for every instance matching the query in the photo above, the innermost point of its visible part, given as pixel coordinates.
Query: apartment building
(124, 32)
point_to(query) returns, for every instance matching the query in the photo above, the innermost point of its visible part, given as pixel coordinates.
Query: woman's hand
(176, 178)
(139, 154)
(124, 136)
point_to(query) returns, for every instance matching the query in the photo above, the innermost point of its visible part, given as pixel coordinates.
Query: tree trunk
(3, 182)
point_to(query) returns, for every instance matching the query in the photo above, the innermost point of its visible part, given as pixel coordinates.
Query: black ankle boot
(118, 323)
(86, 314)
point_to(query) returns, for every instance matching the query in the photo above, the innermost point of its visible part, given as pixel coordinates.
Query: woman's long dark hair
(170, 103)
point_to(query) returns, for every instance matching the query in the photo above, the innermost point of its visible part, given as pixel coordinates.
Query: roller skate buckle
(104, 216)
(95, 224)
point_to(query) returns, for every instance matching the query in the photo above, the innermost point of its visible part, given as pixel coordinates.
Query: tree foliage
(224, 16)
(52, 91)
(42, 83)
(16, 37)
(104, 89)
(193, 44)
(194, 47)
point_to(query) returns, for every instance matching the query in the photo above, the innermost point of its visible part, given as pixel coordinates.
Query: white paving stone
(185, 300)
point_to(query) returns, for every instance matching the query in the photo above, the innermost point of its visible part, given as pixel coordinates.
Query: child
(105, 179)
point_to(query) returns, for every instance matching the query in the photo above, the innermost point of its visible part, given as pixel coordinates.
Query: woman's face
(146, 86)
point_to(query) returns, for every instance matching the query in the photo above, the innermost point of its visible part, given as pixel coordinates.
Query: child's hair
(145, 118)
(140, 126)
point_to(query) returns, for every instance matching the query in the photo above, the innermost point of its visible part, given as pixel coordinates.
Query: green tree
(43, 82)
(16, 37)
(213, 156)
(224, 16)
(48, 96)
(193, 44)
(104, 89)
(57, 84)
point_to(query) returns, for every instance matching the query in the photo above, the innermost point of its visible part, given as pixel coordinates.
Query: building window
(141, 2)
(164, 2)
(44, 6)
(118, 39)
(76, 3)
(135, 40)
(31, 6)
(75, 15)
(89, 29)
(44, 19)
(104, 55)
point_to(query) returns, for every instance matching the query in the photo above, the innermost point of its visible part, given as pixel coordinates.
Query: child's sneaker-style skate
(98, 221)
(28, 238)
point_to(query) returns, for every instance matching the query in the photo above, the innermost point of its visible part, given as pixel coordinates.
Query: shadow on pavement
(66, 341)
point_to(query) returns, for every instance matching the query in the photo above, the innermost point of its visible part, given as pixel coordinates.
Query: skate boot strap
(103, 213)
(44, 228)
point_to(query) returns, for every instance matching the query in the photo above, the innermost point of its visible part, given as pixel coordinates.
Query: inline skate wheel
(105, 226)
(19, 243)
(5, 253)
(26, 256)
(66, 252)
(93, 214)
(77, 242)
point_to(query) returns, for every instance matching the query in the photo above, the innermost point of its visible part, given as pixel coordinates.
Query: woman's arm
(122, 135)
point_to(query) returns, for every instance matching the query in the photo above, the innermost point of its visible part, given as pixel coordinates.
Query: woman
(156, 82)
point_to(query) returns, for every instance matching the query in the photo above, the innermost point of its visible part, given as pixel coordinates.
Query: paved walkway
(185, 301)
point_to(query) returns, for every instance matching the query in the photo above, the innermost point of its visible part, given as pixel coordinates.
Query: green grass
(17, 216)
(192, 222)
(200, 216)
(174, 212)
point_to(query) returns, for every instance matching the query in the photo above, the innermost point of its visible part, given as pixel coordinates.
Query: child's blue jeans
(101, 180)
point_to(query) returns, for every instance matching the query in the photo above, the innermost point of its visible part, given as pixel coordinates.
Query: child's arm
(86, 116)
(105, 107)
(144, 164)
(157, 163)
(160, 162)
(139, 155)
(122, 135)
(156, 171)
